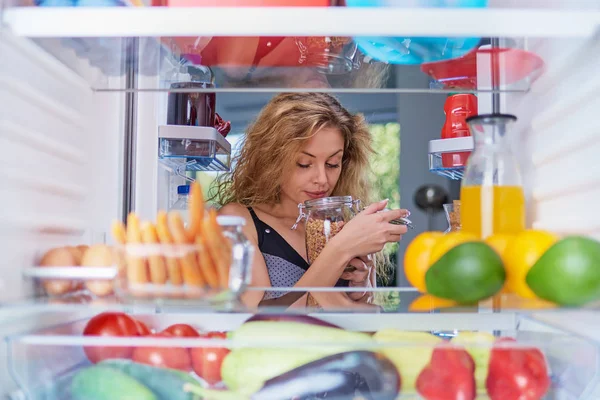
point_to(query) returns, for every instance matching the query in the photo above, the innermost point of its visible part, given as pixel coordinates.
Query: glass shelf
(381, 301)
(572, 18)
(295, 63)
(422, 48)
(407, 62)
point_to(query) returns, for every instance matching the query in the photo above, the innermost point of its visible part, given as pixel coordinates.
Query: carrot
(136, 265)
(166, 239)
(196, 209)
(158, 270)
(189, 265)
(218, 247)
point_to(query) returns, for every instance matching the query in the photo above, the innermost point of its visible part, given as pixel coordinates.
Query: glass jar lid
(324, 203)
(327, 201)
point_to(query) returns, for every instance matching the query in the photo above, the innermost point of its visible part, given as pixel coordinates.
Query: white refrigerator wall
(557, 137)
(60, 169)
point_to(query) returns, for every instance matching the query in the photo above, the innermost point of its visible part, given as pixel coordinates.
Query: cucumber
(104, 383)
(167, 384)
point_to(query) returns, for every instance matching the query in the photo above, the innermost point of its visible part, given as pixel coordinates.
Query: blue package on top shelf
(417, 3)
(416, 50)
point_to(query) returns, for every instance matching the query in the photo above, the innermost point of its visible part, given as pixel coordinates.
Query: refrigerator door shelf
(448, 146)
(193, 148)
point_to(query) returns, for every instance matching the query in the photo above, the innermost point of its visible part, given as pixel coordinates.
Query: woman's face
(318, 167)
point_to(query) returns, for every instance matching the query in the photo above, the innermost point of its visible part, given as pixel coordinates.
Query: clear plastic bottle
(182, 203)
(242, 252)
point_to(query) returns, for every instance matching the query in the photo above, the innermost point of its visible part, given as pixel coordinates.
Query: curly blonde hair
(278, 134)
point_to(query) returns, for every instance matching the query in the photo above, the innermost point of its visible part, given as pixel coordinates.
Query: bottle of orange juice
(492, 199)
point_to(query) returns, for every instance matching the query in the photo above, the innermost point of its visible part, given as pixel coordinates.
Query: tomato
(207, 361)
(165, 357)
(517, 373)
(109, 324)
(142, 328)
(182, 330)
(448, 376)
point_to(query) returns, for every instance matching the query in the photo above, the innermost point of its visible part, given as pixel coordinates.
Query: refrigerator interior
(77, 111)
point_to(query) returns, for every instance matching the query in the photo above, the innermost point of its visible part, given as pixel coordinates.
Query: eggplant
(340, 375)
(304, 319)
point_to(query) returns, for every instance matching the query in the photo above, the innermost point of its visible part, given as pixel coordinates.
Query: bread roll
(82, 248)
(58, 257)
(99, 255)
(77, 254)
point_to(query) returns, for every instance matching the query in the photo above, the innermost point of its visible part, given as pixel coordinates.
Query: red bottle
(458, 107)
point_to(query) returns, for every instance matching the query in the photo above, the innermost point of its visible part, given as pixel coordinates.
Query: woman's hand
(360, 275)
(370, 230)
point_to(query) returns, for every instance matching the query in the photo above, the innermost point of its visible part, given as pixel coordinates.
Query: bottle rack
(438, 165)
(193, 148)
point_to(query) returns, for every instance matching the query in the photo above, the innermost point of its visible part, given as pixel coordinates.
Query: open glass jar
(324, 218)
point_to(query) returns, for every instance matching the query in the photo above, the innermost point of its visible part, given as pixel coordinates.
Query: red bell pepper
(516, 373)
(448, 376)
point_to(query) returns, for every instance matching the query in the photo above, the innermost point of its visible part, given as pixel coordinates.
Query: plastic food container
(416, 50)
(211, 271)
(67, 271)
(452, 211)
(372, 356)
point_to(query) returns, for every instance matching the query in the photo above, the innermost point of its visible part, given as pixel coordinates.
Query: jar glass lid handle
(301, 216)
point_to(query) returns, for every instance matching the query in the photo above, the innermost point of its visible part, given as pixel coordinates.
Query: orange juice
(486, 210)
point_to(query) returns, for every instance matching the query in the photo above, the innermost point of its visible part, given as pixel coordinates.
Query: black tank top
(284, 264)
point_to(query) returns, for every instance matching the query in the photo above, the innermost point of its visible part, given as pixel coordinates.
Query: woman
(304, 146)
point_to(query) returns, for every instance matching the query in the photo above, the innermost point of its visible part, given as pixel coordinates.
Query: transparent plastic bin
(383, 354)
(189, 271)
(72, 281)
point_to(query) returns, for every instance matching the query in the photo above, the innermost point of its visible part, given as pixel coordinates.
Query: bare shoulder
(240, 210)
(236, 209)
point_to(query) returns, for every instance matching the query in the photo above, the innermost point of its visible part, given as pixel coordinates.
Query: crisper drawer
(283, 356)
